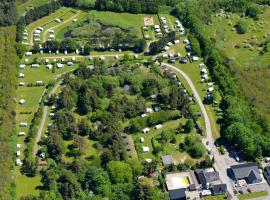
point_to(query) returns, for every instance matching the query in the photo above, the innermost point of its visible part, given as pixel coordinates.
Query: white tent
(159, 126)
(21, 134)
(21, 101)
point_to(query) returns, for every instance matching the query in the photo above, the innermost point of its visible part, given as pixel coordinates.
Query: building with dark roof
(206, 176)
(177, 194)
(247, 171)
(219, 189)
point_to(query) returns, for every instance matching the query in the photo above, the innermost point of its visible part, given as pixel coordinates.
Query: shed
(210, 89)
(18, 153)
(167, 160)
(142, 139)
(195, 58)
(29, 53)
(176, 41)
(18, 145)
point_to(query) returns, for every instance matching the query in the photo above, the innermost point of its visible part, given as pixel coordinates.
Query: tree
(20, 49)
(140, 45)
(252, 11)
(97, 180)
(55, 144)
(196, 151)
(189, 126)
(119, 172)
(51, 46)
(135, 166)
(144, 189)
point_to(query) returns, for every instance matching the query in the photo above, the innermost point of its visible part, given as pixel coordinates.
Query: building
(219, 189)
(247, 171)
(206, 177)
(178, 194)
(167, 160)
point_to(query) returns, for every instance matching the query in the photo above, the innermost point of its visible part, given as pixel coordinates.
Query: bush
(241, 27)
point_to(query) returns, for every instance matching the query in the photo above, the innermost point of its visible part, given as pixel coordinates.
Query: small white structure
(210, 84)
(158, 30)
(186, 41)
(204, 71)
(51, 31)
(69, 63)
(37, 40)
(167, 31)
(211, 89)
(145, 149)
(146, 130)
(165, 55)
(144, 115)
(74, 20)
(47, 60)
(26, 60)
(49, 66)
(18, 145)
(145, 28)
(21, 101)
(21, 83)
(39, 82)
(19, 162)
(147, 36)
(157, 108)
(40, 28)
(21, 134)
(59, 65)
(28, 53)
(21, 75)
(102, 58)
(169, 44)
(176, 41)
(18, 154)
(136, 56)
(148, 160)
(116, 56)
(37, 31)
(156, 26)
(159, 126)
(142, 139)
(51, 36)
(52, 115)
(149, 110)
(35, 65)
(195, 58)
(22, 66)
(201, 65)
(166, 48)
(23, 124)
(58, 20)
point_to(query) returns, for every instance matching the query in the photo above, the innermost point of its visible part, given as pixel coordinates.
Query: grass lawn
(253, 195)
(220, 197)
(26, 185)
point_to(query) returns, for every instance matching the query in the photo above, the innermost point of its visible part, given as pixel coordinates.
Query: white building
(21, 134)
(145, 149)
(23, 124)
(146, 130)
(21, 75)
(21, 101)
(159, 126)
(22, 66)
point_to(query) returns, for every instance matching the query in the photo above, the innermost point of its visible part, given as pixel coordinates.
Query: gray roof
(177, 194)
(167, 160)
(206, 177)
(243, 171)
(219, 189)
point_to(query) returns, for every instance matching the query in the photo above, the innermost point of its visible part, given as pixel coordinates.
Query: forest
(7, 109)
(8, 12)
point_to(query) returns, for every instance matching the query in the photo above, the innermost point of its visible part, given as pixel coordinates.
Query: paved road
(220, 163)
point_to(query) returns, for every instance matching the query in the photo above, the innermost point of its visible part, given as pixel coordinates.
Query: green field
(249, 63)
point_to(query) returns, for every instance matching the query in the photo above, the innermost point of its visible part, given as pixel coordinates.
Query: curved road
(220, 164)
(45, 111)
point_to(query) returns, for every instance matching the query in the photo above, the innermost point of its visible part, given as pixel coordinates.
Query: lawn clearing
(220, 197)
(27, 185)
(253, 195)
(23, 7)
